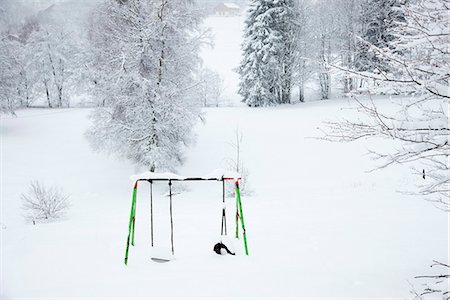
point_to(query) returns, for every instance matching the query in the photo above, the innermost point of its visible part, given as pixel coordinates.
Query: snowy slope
(318, 225)
(225, 55)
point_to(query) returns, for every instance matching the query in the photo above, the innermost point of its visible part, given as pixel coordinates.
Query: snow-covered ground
(318, 225)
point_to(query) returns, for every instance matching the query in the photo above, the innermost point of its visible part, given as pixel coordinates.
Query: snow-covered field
(317, 224)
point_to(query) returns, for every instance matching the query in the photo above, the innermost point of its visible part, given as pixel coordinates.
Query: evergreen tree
(266, 68)
(378, 21)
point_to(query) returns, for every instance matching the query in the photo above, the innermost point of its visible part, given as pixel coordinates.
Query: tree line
(137, 60)
(290, 43)
(38, 60)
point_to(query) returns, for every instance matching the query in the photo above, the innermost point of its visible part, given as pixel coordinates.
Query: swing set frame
(154, 177)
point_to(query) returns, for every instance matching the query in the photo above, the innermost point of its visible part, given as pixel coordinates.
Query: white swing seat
(161, 254)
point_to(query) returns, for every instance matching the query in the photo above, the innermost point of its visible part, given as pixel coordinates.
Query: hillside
(318, 224)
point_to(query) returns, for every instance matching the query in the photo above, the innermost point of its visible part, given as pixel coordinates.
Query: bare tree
(236, 164)
(424, 142)
(435, 284)
(421, 61)
(42, 203)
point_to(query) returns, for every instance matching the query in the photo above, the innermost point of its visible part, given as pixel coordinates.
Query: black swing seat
(222, 249)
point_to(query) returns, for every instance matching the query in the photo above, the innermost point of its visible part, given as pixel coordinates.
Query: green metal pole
(151, 211)
(238, 199)
(171, 216)
(237, 218)
(130, 225)
(134, 216)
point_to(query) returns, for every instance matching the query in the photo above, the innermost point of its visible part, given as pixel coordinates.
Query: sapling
(236, 165)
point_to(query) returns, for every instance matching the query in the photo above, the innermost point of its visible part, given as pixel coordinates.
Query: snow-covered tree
(325, 24)
(10, 56)
(303, 65)
(286, 15)
(377, 23)
(210, 88)
(268, 53)
(53, 57)
(421, 63)
(9, 73)
(348, 25)
(37, 59)
(338, 34)
(324, 36)
(28, 79)
(145, 61)
(256, 84)
(416, 63)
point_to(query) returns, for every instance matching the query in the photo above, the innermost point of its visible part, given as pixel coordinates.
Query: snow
(220, 173)
(153, 175)
(217, 174)
(231, 5)
(318, 225)
(225, 55)
(161, 253)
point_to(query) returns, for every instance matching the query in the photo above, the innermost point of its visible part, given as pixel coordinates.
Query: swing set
(151, 177)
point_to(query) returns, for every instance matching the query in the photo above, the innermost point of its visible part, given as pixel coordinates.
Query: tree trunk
(301, 91)
(324, 76)
(47, 92)
(60, 96)
(287, 83)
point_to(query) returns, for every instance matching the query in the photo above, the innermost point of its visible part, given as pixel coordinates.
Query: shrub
(44, 203)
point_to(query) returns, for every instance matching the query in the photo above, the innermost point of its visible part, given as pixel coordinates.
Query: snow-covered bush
(44, 203)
